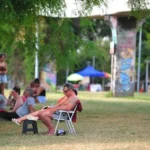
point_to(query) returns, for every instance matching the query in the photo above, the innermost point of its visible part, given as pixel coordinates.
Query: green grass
(105, 123)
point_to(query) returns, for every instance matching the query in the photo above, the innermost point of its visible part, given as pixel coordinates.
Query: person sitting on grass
(32, 86)
(26, 108)
(14, 100)
(39, 91)
(2, 103)
(68, 102)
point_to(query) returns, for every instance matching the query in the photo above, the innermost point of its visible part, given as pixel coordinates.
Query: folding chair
(67, 117)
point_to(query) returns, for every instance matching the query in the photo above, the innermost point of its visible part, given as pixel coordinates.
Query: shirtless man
(68, 102)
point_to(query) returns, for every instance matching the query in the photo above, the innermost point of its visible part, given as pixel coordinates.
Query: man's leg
(45, 118)
(34, 114)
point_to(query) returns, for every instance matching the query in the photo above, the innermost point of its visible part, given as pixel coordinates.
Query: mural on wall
(48, 77)
(125, 51)
(124, 30)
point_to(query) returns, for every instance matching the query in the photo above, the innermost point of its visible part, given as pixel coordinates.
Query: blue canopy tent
(90, 71)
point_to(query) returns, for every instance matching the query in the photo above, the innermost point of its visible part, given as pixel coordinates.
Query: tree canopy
(58, 40)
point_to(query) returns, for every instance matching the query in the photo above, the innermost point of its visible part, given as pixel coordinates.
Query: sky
(114, 6)
(72, 7)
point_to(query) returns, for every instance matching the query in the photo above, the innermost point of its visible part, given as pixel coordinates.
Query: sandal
(15, 121)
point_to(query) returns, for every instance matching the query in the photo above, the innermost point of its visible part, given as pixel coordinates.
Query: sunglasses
(66, 91)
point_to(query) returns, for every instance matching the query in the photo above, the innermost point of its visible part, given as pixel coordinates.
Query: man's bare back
(67, 103)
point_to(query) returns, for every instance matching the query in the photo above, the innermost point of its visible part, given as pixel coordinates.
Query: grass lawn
(104, 124)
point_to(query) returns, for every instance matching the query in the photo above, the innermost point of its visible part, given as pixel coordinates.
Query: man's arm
(69, 106)
(31, 108)
(36, 100)
(60, 101)
(30, 103)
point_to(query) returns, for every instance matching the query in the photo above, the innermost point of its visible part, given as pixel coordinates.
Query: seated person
(14, 100)
(26, 108)
(68, 102)
(31, 85)
(2, 103)
(45, 107)
(40, 92)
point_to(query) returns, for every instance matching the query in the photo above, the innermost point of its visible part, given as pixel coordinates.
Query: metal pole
(67, 74)
(146, 79)
(93, 64)
(139, 60)
(36, 53)
(111, 81)
(114, 75)
(36, 65)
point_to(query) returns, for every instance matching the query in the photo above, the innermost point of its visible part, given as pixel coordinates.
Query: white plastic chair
(65, 116)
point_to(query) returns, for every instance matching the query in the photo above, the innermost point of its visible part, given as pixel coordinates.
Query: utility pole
(36, 52)
(67, 73)
(93, 61)
(146, 75)
(93, 64)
